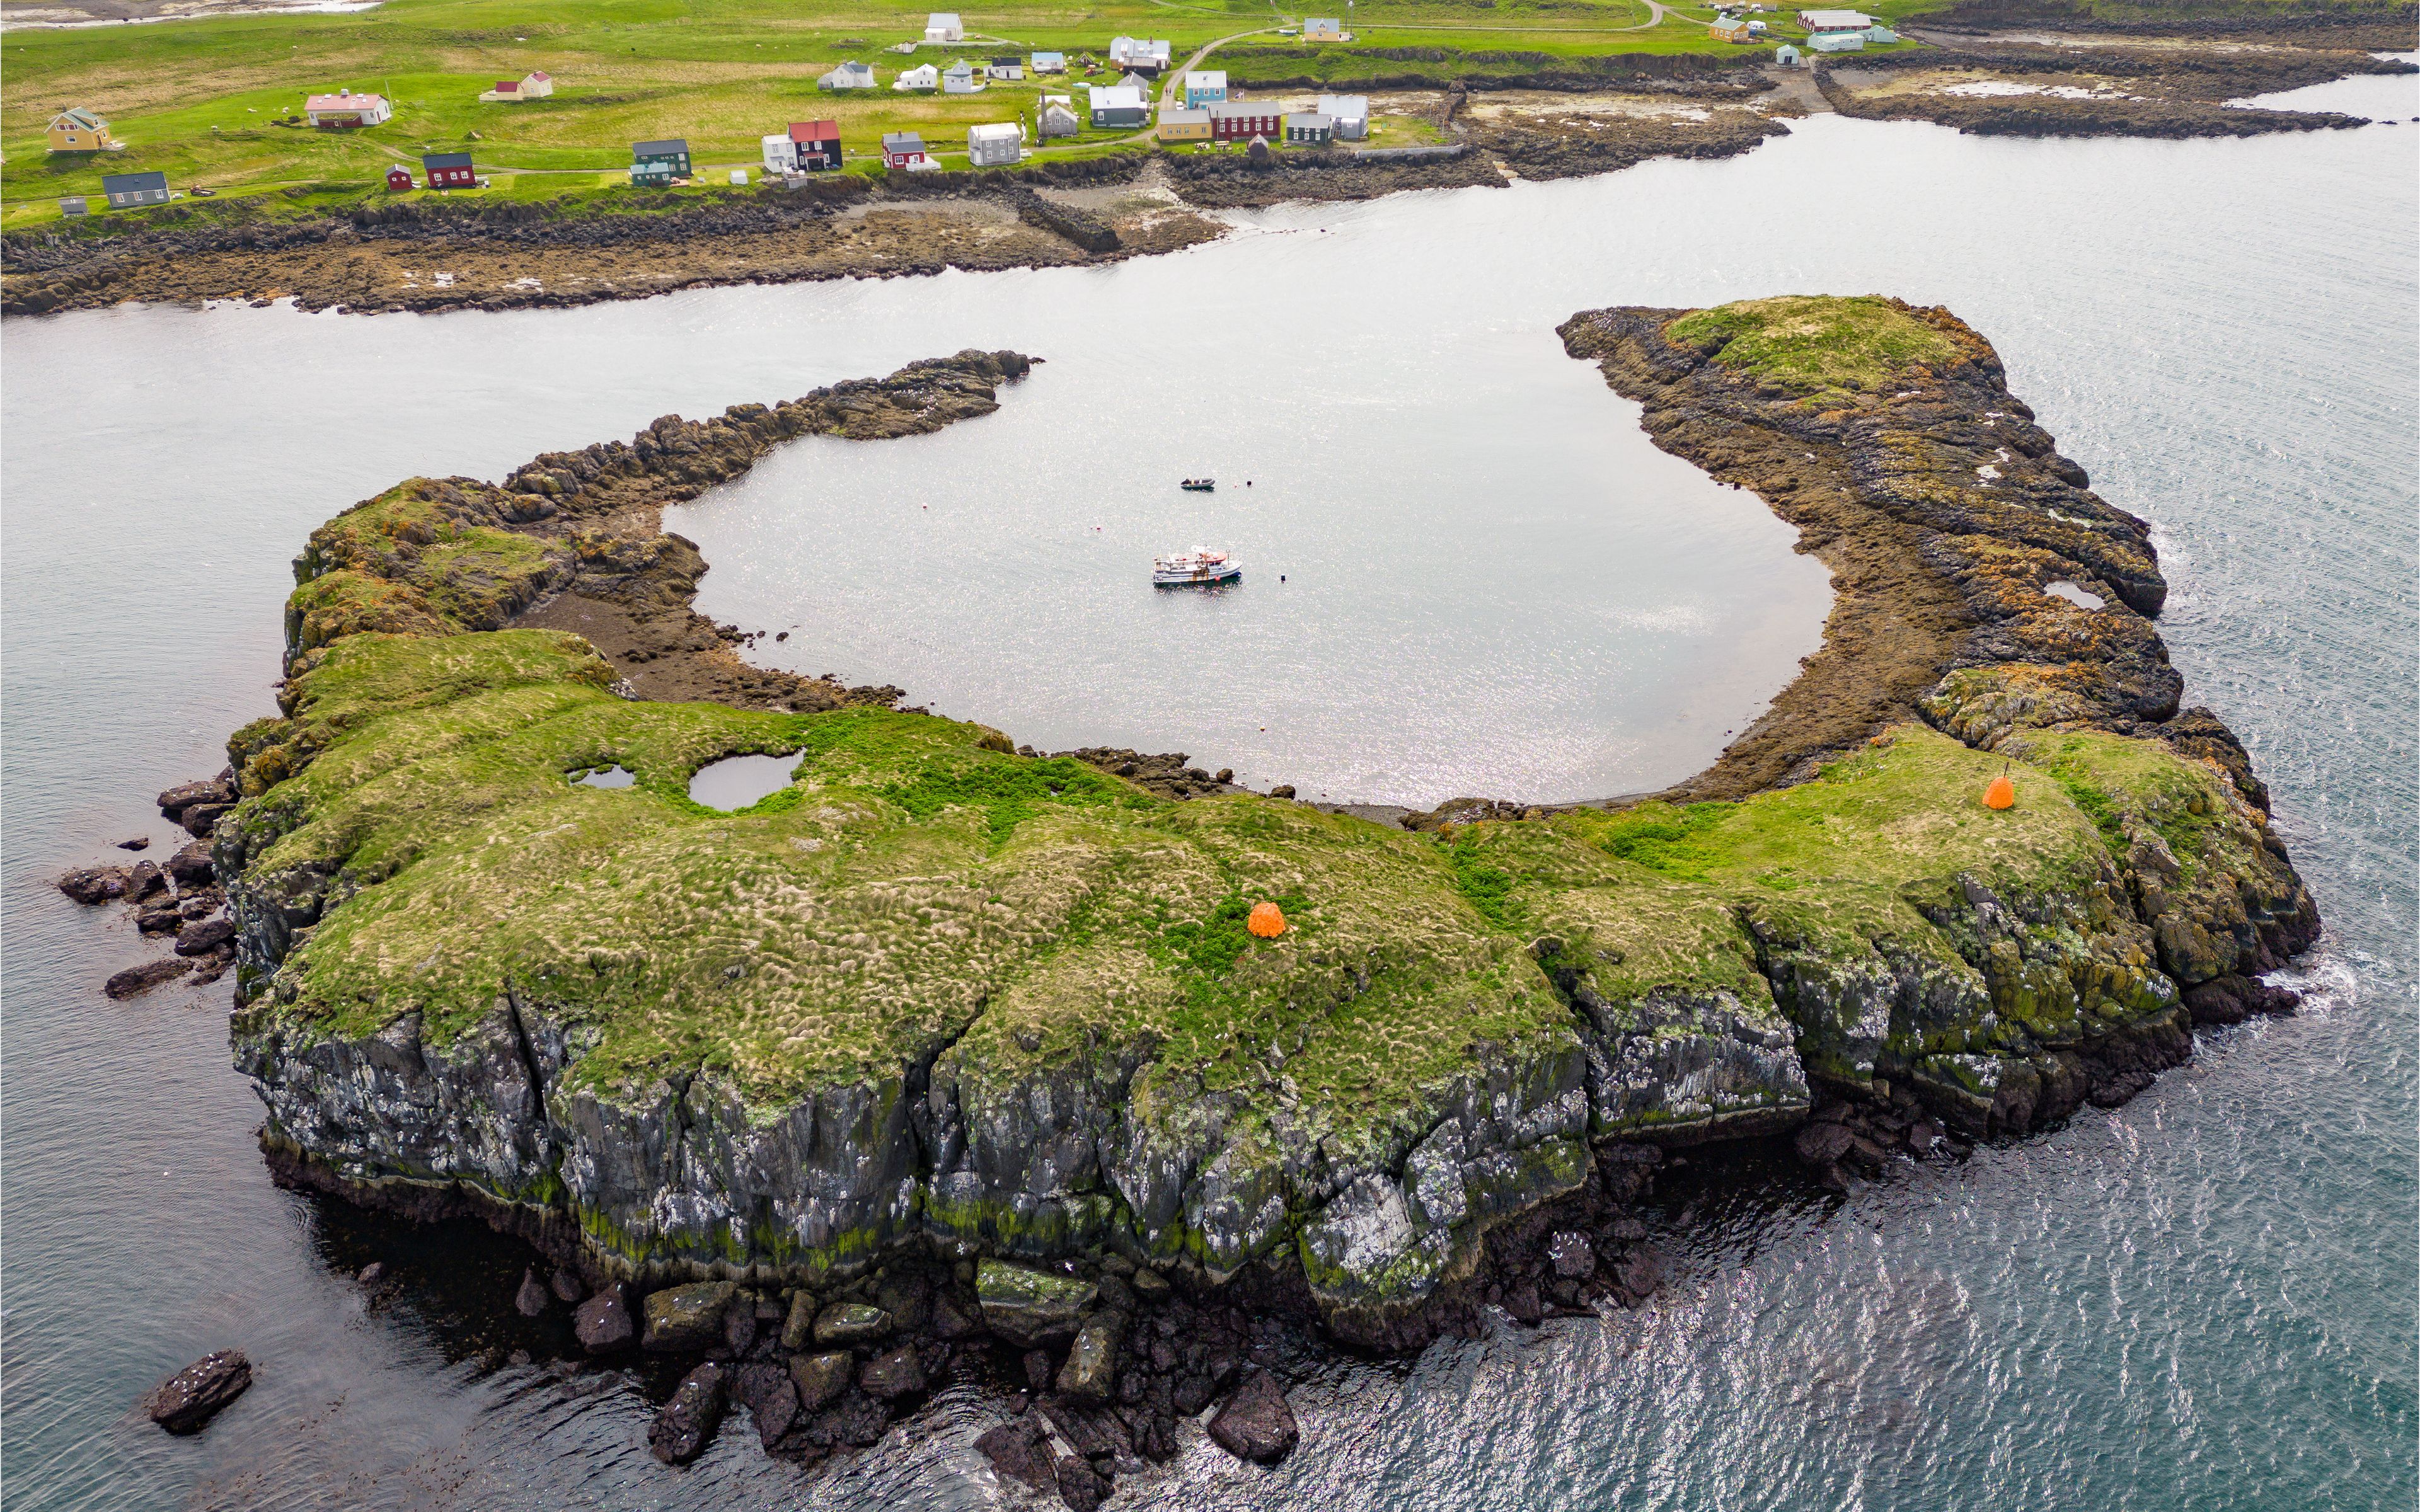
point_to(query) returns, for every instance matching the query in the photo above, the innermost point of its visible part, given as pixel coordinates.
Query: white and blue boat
(1181, 570)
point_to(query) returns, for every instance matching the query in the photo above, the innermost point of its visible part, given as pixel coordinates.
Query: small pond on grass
(737, 782)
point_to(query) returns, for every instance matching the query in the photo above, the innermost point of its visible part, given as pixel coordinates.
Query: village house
(1351, 114)
(1119, 106)
(1137, 80)
(513, 91)
(347, 110)
(81, 130)
(1837, 43)
(1135, 53)
(1729, 29)
(398, 179)
(1057, 118)
(1006, 68)
(1177, 124)
(961, 80)
(944, 26)
(1203, 86)
(918, 81)
(807, 146)
(448, 170)
(1786, 56)
(1818, 22)
(850, 75)
(1323, 29)
(1049, 63)
(1235, 120)
(126, 191)
(905, 149)
(73, 206)
(654, 164)
(1309, 128)
(995, 145)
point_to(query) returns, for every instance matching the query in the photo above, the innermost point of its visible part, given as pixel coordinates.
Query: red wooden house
(449, 170)
(398, 179)
(1240, 120)
(815, 146)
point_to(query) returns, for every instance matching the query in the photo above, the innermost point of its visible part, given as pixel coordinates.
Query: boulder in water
(191, 1397)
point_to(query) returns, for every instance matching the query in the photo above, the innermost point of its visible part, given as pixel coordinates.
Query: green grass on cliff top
(918, 885)
(1819, 345)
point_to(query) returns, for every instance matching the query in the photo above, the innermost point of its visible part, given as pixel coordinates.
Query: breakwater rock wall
(941, 995)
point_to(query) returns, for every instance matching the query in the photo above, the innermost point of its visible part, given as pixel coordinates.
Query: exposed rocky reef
(953, 1047)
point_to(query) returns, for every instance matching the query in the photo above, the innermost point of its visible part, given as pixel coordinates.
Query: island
(951, 1052)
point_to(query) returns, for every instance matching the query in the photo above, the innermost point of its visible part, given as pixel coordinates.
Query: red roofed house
(513, 91)
(816, 145)
(348, 110)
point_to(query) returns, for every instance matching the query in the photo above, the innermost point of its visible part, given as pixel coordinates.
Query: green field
(198, 99)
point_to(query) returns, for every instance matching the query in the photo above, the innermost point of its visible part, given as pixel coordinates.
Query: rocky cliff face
(944, 996)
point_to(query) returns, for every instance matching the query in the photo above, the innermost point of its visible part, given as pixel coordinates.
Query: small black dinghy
(1199, 485)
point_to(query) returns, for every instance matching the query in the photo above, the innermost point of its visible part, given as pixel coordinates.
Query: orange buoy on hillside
(2002, 793)
(1267, 921)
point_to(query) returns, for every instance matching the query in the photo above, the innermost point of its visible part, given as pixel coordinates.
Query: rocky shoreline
(1119, 1174)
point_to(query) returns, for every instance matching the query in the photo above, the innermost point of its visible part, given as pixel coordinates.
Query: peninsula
(950, 1054)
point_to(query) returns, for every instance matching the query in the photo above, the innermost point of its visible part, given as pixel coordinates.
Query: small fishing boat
(1199, 485)
(1179, 570)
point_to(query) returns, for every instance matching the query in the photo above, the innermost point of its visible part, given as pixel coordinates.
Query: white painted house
(961, 80)
(1058, 117)
(851, 75)
(1351, 114)
(918, 81)
(1138, 53)
(996, 145)
(347, 109)
(944, 26)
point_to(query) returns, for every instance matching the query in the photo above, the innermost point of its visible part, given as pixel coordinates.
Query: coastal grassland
(837, 930)
(198, 99)
(1823, 348)
(919, 885)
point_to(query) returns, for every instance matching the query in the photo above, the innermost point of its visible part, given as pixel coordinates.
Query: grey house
(127, 189)
(1309, 128)
(1120, 105)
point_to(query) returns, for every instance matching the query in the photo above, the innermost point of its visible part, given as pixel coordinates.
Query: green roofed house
(657, 163)
(127, 190)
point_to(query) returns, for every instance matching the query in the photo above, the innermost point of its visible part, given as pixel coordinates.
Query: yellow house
(81, 130)
(1729, 29)
(1177, 125)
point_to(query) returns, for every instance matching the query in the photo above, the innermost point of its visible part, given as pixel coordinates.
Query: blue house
(1202, 86)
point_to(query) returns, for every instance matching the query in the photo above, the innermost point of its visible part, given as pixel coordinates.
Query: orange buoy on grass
(2002, 793)
(1267, 921)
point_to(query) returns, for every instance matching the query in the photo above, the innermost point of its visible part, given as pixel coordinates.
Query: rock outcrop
(944, 1004)
(186, 1402)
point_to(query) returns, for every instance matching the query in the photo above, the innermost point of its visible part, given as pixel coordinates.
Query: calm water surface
(2205, 1299)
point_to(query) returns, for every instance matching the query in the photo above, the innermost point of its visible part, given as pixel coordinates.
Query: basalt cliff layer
(941, 1000)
